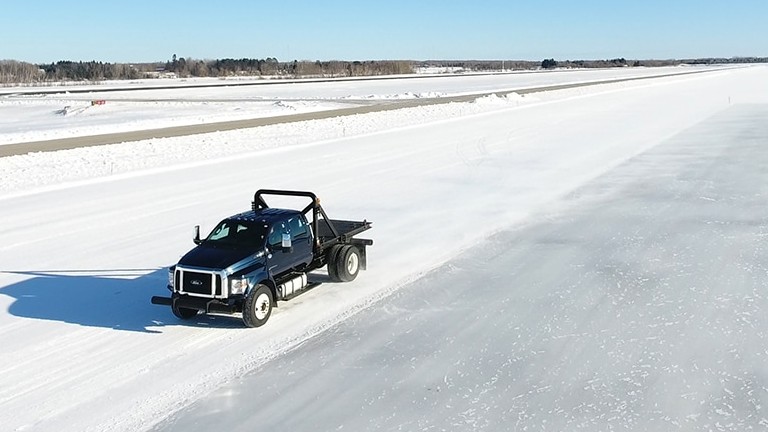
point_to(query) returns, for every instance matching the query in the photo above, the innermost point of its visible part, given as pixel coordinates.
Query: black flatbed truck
(255, 258)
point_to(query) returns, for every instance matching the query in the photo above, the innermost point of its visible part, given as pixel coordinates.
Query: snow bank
(51, 118)
(25, 172)
(505, 100)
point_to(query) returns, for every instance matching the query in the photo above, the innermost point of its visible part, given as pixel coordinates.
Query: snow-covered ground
(33, 117)
(83, 350)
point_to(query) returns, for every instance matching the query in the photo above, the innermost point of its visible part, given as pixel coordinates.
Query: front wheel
(258, 306)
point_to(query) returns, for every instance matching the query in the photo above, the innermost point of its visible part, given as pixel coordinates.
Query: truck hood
(220, 258)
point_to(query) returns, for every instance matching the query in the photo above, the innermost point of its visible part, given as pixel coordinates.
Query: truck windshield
(237, 233)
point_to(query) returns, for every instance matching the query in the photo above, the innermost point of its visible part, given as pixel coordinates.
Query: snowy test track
(517, 186)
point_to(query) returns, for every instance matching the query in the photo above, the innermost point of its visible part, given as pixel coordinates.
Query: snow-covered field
(87, 234)
(32, 117)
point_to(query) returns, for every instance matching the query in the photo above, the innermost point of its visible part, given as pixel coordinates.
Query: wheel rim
(262, 307)
(352, 263)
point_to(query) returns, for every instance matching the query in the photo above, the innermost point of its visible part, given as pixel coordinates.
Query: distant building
(160, 73)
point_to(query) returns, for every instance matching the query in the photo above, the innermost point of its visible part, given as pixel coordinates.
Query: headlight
(170, 277)
(238, 286)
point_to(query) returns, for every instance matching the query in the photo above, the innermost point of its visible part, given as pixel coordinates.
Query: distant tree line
(16, 72)
(621, 62)
(88, 71)
(732, 60)
(480, 65)
(617, 62)
(271, 66)
(12, 71)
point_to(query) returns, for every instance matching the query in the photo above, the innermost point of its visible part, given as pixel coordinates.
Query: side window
(276, 235)
(298, 228)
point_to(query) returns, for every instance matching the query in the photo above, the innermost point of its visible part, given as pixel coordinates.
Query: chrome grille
(198, 283)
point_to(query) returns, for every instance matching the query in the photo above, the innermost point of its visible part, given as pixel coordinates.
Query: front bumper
(206, 305)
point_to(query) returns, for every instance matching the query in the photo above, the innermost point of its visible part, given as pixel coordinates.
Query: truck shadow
(117, 300)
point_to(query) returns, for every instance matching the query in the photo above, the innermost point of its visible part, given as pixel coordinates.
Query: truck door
(278, 260)
(301, 240)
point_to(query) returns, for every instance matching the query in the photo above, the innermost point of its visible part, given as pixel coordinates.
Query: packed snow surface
(588, 258)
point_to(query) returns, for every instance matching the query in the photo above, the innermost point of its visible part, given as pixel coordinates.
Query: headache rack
(327, 231)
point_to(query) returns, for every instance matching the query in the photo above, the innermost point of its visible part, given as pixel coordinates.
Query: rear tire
(348, 263)
(257, 307)
(331, 259)
(183, 313)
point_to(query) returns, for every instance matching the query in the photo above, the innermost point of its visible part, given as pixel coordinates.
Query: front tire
(183, 313)
(257, 307)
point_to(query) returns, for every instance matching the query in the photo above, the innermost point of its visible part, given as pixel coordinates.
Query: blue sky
(45, 31)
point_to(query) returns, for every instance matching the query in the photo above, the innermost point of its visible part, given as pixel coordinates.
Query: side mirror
(196, 238)
(286, 245)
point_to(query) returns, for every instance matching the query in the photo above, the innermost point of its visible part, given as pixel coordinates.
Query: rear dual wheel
(343, 263)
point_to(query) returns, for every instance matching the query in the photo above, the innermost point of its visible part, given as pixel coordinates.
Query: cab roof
(267, 215)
